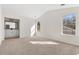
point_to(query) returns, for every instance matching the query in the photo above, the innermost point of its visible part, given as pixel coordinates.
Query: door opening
(11, 27)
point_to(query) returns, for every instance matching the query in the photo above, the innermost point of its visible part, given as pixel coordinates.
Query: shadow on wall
(26, 24)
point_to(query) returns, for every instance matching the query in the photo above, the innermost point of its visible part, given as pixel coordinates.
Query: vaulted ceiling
(31, 10)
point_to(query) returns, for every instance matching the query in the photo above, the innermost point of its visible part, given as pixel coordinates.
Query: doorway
(11, 27)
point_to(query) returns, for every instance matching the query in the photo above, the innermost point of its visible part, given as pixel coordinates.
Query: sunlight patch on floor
(43, 42)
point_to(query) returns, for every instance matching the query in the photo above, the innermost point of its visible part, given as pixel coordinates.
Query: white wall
(26, 24)
(27, 13)
(52, 25)
(1, 26)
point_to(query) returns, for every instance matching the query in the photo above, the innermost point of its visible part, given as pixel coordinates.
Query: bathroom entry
(11, 28)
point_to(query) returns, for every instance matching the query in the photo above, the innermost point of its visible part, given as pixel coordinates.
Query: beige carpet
(30, 46)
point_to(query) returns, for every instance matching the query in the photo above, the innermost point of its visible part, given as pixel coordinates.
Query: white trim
(67, 34)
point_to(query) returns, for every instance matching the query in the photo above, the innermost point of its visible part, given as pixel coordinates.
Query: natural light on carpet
(43, 42)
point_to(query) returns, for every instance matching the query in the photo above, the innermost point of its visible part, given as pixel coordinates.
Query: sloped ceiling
(31, 10)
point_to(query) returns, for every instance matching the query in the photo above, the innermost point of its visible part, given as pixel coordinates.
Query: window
(9, 25)
(69, 24)
(38, 26)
